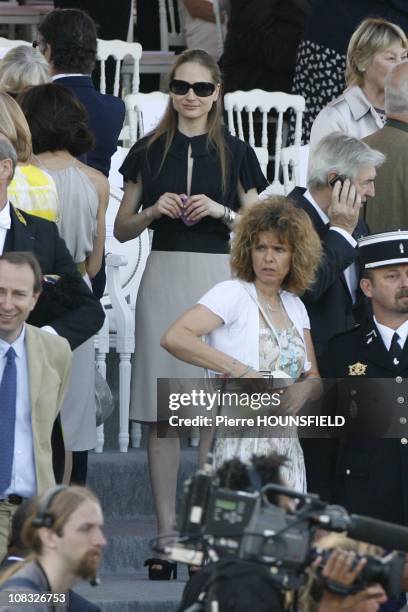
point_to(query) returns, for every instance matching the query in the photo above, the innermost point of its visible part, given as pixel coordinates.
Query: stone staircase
(121, 481)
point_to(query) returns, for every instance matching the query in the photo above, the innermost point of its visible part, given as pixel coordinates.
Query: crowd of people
(310, 288)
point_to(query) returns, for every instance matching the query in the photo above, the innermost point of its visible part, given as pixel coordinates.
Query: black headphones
(43, 517)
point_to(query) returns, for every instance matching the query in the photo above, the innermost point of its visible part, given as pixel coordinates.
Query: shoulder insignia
(357, 369)
(20, 217)
(370, 336)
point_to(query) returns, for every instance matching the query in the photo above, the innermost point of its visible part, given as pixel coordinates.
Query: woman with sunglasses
(189, 177)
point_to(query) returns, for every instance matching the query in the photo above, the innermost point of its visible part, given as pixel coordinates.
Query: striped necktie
(8, 395)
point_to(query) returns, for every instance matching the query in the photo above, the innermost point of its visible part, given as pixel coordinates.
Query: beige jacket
(350, 113)
(49, 365)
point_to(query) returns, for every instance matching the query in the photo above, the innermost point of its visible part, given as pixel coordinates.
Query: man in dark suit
(366, 469)
(342, 170)
(68, 40)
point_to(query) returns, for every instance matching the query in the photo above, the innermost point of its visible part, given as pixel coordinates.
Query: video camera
(221, 523)
(386, 571)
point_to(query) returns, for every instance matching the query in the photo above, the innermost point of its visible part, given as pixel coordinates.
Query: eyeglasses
(202, 89)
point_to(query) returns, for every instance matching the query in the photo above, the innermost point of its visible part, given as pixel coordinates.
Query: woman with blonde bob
(23, 67)
(375, 47)
(256, 325)
(32, 189)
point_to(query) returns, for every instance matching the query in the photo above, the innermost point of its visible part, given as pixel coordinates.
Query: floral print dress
(282, 349)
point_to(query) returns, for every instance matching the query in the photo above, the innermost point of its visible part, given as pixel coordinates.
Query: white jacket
(235, 302)
(350, 113)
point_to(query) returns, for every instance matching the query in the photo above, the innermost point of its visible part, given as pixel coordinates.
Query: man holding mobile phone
(341, 177)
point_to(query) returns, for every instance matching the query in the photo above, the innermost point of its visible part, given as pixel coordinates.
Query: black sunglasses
(202, 89)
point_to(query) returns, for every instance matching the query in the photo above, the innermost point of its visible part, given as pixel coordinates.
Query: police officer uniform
(365, 469)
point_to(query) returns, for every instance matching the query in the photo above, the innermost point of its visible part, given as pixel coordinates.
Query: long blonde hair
(374, 34)
(14, 126)
(168, 124)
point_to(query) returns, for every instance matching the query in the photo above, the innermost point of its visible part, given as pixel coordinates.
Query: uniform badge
(19, 216)
(357, 369)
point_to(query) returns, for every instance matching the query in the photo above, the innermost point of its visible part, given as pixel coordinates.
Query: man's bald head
(396, 91)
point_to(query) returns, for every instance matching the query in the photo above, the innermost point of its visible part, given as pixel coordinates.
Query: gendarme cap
(384, 249)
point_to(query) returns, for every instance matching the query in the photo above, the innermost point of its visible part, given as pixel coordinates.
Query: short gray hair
(23, 67)
(396, 92)
(341, 154)
(7, 151)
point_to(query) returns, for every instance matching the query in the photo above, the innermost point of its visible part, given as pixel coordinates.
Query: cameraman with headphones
(64, 532)
(239, 586)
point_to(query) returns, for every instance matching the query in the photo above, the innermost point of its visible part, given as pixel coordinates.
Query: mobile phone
(183, 217)
(338, 177)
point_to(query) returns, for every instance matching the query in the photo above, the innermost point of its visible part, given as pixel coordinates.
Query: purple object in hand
(183, 217)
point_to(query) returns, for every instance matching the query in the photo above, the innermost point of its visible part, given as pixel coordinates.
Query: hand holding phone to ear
(345, 205)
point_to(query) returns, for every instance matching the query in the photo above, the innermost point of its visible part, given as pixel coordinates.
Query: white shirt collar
(387, 333)
(315, 205)
(5, 217)
(72, 74)
(18, 344)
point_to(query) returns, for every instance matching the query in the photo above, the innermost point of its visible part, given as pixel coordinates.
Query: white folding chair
(303, 165)
(119, 49)
(290, 167)
(6, 44)
(125, 264)
(264, 101)
(143, 113)
(171, 27)
(10, 44)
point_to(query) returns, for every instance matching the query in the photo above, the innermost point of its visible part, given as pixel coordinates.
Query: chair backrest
(135, 251)
(264, 101)
(7, 44)
(303, 165)
(263, 158)
(290, 167)
(119, 49)
(115, 178)
(144, 112)
(171, 27)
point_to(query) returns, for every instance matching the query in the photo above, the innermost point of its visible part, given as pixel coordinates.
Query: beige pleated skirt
(172, 283)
